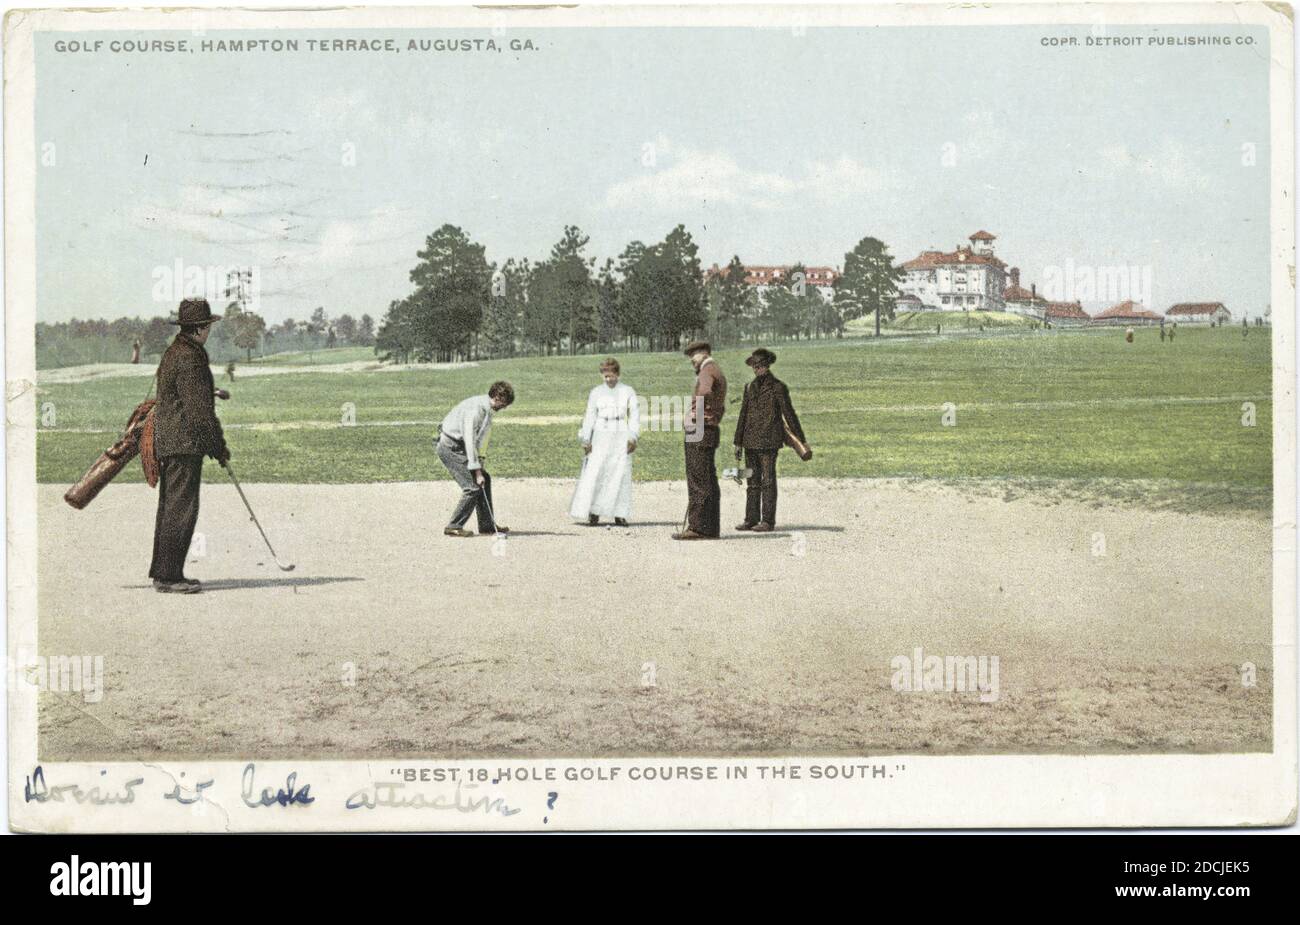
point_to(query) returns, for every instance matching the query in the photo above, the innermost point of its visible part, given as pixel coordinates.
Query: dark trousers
(760, 489)
(703, 496)
(179, 478)
(473, 499)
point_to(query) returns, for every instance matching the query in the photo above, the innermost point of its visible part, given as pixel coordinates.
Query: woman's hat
(194, 311)
(761, 357)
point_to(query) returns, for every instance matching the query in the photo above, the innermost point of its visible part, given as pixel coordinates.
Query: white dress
(605, 486)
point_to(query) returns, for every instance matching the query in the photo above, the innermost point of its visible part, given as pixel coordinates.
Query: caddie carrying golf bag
(137, 440)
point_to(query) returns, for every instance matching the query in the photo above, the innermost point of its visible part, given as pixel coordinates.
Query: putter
(491, 513)
(231, 473)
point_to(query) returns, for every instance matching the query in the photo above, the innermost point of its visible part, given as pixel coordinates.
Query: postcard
(650, 417)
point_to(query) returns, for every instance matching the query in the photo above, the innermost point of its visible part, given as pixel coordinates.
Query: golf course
(1079, 407)
(1094, 514)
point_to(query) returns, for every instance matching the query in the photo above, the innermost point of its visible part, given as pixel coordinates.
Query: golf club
(498, 534)
(231, 473)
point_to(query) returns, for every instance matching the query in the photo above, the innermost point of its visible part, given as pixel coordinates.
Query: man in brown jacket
(760, 433)
(185, 430)
(704, 497)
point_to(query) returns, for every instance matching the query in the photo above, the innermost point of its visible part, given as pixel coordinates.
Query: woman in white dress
(610, 429)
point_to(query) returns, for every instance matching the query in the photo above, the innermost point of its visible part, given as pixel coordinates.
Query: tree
(156, 335)
(869, 284)
(662, 296)
(684, 304)
(346, 328)
(366, 331)
(396, 337)
(562, 296)
(506, 307)
(782, 312)
(453, 282)
(636, 292)
(248, 330)
(607, 307)
(736, 301)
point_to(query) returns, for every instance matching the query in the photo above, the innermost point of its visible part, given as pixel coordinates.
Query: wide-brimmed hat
(761, 357)
(194, 311)
(696, 346)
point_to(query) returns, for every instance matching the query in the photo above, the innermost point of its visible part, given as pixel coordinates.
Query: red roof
(982, 235)
(768, 275)
(1127, 309)
(1065, 310)
(1196, 308)
(1020, 294)
(960, 257)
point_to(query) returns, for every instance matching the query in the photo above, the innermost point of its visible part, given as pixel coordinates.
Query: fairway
(1081, 407)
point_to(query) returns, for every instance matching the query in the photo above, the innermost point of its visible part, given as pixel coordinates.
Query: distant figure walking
(1172, 331)
(230, 370)
(1128, 335)
(135, 351)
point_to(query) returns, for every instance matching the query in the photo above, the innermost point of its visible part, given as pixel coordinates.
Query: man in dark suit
(185, 430)
(708, 404)
(765, 413)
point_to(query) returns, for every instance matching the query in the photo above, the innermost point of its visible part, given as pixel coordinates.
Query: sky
(326, 170)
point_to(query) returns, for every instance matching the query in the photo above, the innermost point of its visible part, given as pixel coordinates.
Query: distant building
(967, 279)
(1202, 312)
(763, 278)
(1065, 314)
(907, 303)
(1025, 302)
(1127, 313)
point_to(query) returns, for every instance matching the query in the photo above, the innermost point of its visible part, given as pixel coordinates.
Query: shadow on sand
(733, 534)
(238, 584)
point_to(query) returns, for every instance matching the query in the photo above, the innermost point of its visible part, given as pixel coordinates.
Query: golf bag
(137, 440)
(800, 448)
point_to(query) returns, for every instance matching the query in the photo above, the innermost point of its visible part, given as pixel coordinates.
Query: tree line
(240, 333)
(651, 297)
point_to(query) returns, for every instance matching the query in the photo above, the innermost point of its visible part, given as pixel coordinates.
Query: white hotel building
(967, 279)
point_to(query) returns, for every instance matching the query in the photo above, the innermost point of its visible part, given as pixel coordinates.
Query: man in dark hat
(185, 430)
(704, 497)
(765, 413)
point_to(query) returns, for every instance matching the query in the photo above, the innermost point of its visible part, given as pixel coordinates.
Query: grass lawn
(953, 322)
(1042, 405)
(328, 356)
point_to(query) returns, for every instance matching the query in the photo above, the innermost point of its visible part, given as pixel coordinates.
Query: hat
(194, 311)
(761, 357)
(697, 345)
